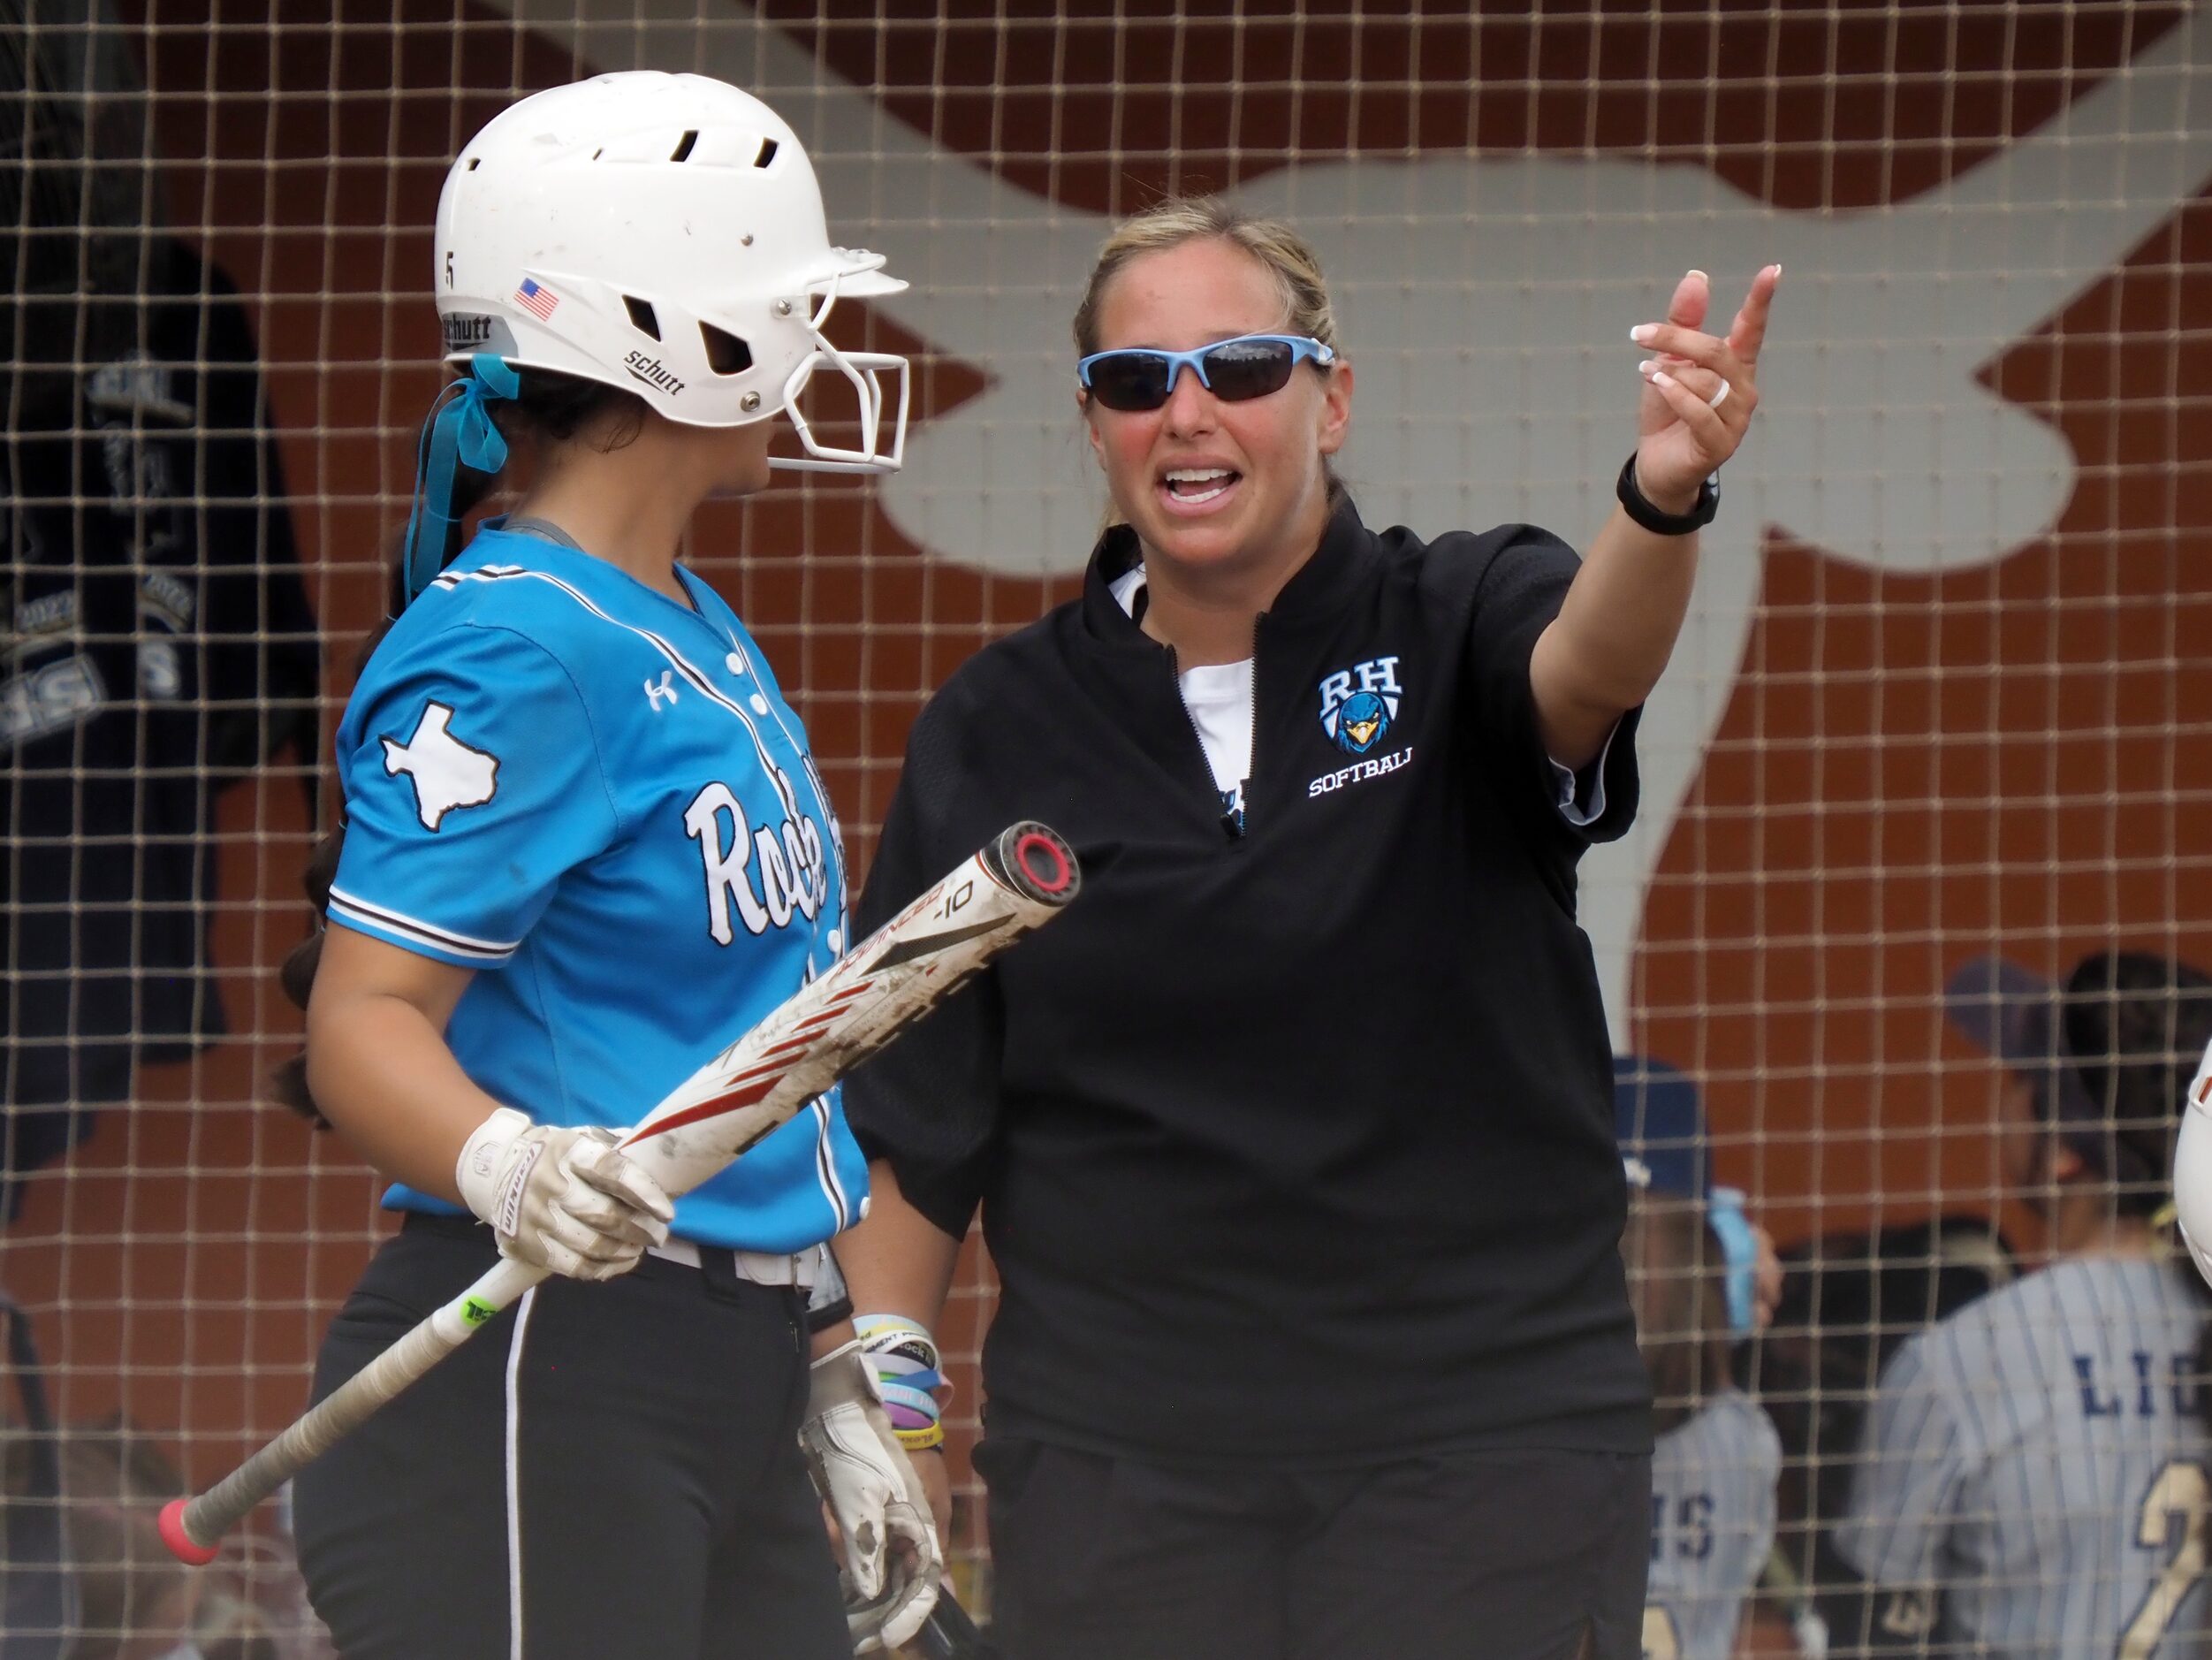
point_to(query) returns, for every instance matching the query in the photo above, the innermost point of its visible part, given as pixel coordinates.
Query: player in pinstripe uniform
(586, 842)
(1713, 1526)
(1715, 1456)
(2034, 1469)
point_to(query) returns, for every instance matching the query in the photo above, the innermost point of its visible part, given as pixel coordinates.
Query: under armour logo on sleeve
(448, 774)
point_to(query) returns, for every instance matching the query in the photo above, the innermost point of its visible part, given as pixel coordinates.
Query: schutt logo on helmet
(653, 372)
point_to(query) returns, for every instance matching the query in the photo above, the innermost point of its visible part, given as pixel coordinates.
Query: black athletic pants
(614, 1467)
(1483, 1555)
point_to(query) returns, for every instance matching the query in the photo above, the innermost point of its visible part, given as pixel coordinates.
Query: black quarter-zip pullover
(1293, 1146)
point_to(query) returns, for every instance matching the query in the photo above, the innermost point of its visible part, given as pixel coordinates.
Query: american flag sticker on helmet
(537, 300)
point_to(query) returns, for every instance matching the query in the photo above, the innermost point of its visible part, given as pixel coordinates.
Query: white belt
(762, 1268)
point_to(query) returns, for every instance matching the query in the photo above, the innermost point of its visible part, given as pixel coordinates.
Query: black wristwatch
(1658, 521)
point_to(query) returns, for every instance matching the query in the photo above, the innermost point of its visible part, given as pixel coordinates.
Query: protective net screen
(1943, 696)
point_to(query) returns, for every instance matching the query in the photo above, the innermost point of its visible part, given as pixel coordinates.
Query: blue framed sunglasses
(1135, 378)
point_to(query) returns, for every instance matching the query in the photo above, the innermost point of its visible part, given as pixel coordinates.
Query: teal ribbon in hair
(459, 431)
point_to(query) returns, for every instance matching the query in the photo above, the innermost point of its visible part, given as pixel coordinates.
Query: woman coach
(1293, 1143)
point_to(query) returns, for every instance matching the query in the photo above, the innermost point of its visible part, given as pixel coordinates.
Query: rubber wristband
(890, 1335)
(1657, 521)
(910, 1398)
(908, 1371)
(921, 1440)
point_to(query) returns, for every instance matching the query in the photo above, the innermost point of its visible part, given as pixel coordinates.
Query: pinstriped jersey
(2038, 1457)
(1713, 1526)
(595, 797)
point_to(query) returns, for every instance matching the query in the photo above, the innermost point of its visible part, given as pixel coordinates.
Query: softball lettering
(1359, 772)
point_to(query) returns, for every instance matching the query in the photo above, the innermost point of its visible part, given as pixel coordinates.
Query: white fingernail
(1642, 333)
(1694, 271)
(1662, 377)
(1647, 365)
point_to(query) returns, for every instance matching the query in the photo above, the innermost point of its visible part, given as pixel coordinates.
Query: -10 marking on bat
(955, 901)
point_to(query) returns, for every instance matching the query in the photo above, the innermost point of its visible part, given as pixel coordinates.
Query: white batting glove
(892, 1560)
(561, 1199)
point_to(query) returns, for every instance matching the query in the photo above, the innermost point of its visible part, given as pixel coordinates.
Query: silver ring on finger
(1718, 398)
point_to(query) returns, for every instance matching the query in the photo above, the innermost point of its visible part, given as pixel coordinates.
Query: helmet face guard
(860, 370)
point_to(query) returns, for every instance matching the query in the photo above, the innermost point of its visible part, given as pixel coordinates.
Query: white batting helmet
(664, 234)
(2192, 1167)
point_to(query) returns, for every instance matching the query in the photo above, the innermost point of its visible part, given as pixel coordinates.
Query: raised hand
(1700, 389)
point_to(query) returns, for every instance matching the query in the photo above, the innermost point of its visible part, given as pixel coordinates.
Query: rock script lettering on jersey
(789, 876)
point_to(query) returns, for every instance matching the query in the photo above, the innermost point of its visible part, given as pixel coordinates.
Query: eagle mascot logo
(1358, 704)
(1361, 721)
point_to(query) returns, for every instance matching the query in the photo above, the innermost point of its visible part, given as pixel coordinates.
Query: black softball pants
(1474, 1555)
(603, 1470)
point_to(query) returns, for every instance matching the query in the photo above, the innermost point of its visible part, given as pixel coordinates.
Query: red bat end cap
(1045, 861)
(181, 1544)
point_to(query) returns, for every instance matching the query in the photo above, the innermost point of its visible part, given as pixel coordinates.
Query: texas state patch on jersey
(475, 737)
(447, 773)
